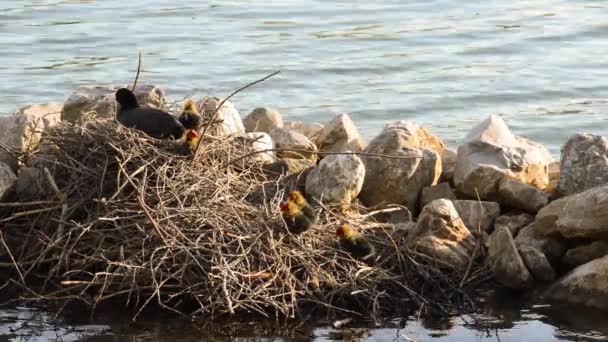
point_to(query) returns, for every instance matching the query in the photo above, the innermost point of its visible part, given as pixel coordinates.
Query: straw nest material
(122, 217)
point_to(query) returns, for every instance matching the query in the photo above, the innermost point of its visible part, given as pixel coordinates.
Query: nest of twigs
(122, 217)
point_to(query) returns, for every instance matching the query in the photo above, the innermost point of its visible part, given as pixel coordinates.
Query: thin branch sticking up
(138, 70)
(212, 119)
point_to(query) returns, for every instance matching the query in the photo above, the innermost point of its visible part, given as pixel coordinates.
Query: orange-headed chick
(190, 117)
(297, 213)
(191, 137)
(354, 243)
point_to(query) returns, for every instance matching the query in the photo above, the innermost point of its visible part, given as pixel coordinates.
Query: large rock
(7, 179)
(477, 214)
(584, 164)
(433, 192)
(584, 285)
(101, 101)
(263, 119)
(518, 195)
(414, 136)
(583, 215)
(491, 153)
(441, 234)
(448, 163)
(504, 260)
(339, 135)
(286, 139)
(514, 222)
(537, 263)
(399, 181)
(307, 129)
(585, 253)
(21, 131)
(227, 120)
(337, 179)
(552, 247)
(259, 141)
(288, 166)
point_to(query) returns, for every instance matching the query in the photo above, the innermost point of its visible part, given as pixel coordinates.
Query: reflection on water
(444, 64)
(504, 317)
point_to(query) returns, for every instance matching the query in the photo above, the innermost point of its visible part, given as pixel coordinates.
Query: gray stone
(584, 164)
(506, 263)
(433, 192)
(307, 129)
(337, 179)
(583, 254)
(477, 214)
(552, 247)
(514, 222)
(286, 139)
(518, 195)
(227, 120)
(448, 163)
(288, 166)
(584, 285)
(7, 179)
(339, 135)
(259, 141)
(537, 263)
(263, 119)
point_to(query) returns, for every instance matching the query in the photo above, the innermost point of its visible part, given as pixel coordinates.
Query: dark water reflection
(502, 318)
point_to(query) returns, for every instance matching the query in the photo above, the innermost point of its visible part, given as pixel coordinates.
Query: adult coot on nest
(154, 122)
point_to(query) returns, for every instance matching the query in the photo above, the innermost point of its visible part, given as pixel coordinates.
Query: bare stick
(62, 199)
(222, 103)
(138, 70)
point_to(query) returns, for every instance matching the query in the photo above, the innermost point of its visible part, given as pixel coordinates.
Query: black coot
(154, 122)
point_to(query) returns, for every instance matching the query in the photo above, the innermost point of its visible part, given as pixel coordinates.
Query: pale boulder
(398, 181)
(337, 179)
(308, 129)
(585, 253)
(101, 100)
(21, 132)
(411, 135)
(584, 285)
(339, 135)
(518, 195)
(477, 214)
(263, 119)
(7, 179)
(584, 164)
(441, 234)
(227, 119)
(256, 142)
(552, 247)
(537, 263)
(582, 215)
(448, 163)
(491, 153)
(286, 139)
(514, 222)
(505, 262)
(433, 192)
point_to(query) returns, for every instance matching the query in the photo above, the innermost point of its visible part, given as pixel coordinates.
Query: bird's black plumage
(152, 121)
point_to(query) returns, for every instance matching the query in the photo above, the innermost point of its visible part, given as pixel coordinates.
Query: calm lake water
(446, 65)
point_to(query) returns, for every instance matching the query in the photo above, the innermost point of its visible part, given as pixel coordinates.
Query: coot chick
(190, 117)
(152, 121)
(297, 213)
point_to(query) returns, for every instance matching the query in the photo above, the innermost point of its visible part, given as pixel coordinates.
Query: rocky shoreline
(498, 196)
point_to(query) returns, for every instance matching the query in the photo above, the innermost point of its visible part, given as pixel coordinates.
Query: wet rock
(101, 101)
(308, 129)
(288, 166)
(537, 263)
(259, 141)
(583, 254)
(505, 262)
(492, 153)
(448, 163)
(263, 119)
(514, 222)
(399, 181)
(21, 131)
(433, 192)
(584, 285)
(339, 135)
(584, 164)
(583, 215)
(477, 214)
(227, 119)
(518, 195)
(284, 138)
(552, 247)
(337, 179)
(7, 179)
(441, 234)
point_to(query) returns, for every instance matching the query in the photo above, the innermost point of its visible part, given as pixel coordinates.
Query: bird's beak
(285, 208)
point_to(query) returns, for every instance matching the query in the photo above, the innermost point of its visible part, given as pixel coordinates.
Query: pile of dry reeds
(121, 217)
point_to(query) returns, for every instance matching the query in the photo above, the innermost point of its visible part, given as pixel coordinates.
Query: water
(444, 64)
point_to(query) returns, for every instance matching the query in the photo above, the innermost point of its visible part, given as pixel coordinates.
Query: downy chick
(190, 117)
(297, 213)
(354, 243)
